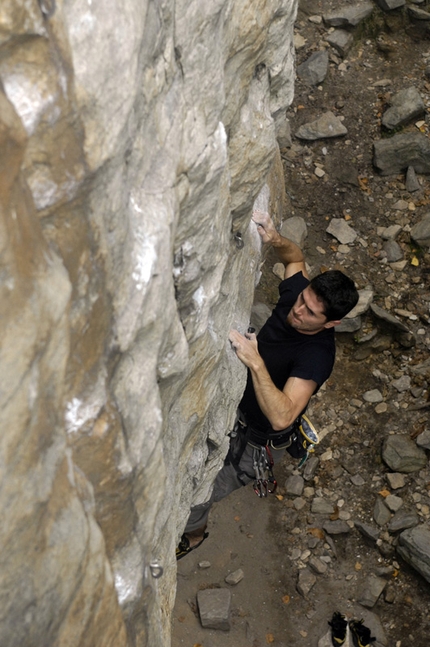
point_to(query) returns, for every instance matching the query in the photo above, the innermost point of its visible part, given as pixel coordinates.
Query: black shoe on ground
(338, 626)
(184, 547)
(360, 634)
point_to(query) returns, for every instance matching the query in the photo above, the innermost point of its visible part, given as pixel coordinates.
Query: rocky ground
(329, 539)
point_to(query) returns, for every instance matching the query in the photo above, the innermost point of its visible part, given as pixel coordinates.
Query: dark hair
(337, 293)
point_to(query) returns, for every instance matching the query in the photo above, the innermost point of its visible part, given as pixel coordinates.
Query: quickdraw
(265, 482)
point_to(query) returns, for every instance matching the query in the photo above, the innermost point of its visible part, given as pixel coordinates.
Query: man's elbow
(281, 422)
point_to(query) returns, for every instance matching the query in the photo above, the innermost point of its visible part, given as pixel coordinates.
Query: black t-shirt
(287, 352)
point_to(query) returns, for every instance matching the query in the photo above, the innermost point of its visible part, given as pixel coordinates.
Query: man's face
(307, 314)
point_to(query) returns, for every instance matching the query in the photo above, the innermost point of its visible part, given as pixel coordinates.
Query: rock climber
(289, 360)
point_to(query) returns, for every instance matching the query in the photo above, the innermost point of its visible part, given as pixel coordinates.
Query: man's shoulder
(295, 283)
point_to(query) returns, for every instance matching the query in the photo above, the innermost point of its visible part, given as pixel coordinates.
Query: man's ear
(331, 324)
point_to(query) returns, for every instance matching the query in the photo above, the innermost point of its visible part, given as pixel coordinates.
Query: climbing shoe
(338, 626)
(184, 547)
(360, 634)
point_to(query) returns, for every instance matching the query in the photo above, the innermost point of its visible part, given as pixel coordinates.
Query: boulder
(414, 548)
(394, 155)
(401, 454)
(405, 106)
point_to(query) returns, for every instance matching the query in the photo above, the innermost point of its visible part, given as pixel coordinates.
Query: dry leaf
(316, 532)
(270, 638)
(303, 633)
(358, 566)
(181, 619)
(237, 518)
(384, 493)
(335, 515)
(286, 599)
(279, 497)
(414, 261)
(198, 645)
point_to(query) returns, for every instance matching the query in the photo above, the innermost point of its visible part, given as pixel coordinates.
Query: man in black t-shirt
(287, 363)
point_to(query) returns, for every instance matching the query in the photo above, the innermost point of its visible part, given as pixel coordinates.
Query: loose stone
(373, 396)
(214, 608)
(374, 586)
(328, 125)
(235, 577)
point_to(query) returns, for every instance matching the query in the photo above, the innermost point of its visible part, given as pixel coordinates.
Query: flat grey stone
(405, 106)
(314, 70)
(381, 513)
(393, 502)
(214, 608)
(394, 155)
(349, 325)
(382, 314)
(235, 577)
(412, 183)
(349, 16)
(341, 40)
(326, 126)
(295, 229)
(318, 566)
(373, 396)
(396, 480)
(403, 519)
(423, 440)
(401, 454)
(402, 384)
(418, 14)
(371, 591)
(420, 232)
(311, 466)
(390, 233)
(322, 506)
(389, 5)
(367, 531)
(414, 548)
(357, 480)
(294, 485)
(305, 582)
(337, 527)
(393, 251)
(343, 232)
(365, 298)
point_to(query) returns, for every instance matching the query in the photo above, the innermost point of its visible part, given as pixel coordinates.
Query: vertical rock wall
(134, 139)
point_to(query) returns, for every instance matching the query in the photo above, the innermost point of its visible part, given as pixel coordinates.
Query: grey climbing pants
(226, 482)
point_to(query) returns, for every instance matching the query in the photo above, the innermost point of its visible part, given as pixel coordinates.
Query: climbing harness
(265, 482)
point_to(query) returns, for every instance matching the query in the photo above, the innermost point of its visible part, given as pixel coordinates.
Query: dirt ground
(260, 536)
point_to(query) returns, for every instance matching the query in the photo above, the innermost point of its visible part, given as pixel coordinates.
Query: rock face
(134, 143)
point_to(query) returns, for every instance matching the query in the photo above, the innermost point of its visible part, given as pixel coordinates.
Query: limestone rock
(401, 520)
(401, 454)
(328, 125)
(371, 592)
(405, 106)
(349, 16)
(314, 70)
(341, 40)
(392, 321)
(397, 153)
(295, 229)
(365, 298)
(214, 608)
(414, 548)
(412, 183)
(420, 232)
(305, 581)
(142, 163)
(389, 5)
(343, 232)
